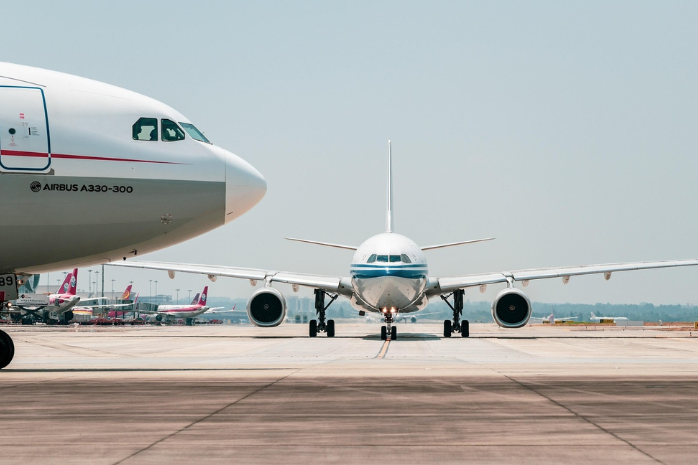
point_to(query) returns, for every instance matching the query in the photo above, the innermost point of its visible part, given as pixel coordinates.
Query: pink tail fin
(204, 296)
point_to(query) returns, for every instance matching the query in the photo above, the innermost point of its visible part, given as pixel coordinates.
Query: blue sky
(565, 129)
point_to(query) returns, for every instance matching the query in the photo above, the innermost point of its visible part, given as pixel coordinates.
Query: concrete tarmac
(236, 394)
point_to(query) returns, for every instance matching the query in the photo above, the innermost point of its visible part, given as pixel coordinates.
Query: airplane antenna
(389, 219)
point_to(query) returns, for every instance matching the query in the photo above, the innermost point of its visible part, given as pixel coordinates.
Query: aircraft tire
(27, 321)
(384, 333)
(447, 328)
(393, 333)
(465, 328)
(330, 328)
(313, 328)
(7, 349)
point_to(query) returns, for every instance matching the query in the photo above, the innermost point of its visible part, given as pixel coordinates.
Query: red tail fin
(127, 293)
(73, 288)
(69, 283)
(204, 296)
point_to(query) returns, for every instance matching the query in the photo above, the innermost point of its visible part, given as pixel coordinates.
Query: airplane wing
(327, 283)
(451, 284)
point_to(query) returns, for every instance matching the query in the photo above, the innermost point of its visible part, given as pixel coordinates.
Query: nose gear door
(25, 144)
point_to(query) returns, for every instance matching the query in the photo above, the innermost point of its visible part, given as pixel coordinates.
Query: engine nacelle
(266, 307)
(511, 308)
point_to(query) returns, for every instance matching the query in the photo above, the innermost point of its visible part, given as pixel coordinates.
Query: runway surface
(250, 395)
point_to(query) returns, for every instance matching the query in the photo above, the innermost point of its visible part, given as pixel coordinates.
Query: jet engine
(511, 308)
(266, 307)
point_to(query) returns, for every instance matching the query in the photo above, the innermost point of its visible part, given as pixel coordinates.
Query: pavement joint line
(384, 349)
(205, 417)
(582, 417)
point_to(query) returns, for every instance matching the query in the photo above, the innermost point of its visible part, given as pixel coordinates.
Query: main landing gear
(7, 349)
(456, 326)
(388, 331)
(320, 325)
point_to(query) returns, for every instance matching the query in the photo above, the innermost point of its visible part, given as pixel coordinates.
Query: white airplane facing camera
(389, 275)
(91, 172)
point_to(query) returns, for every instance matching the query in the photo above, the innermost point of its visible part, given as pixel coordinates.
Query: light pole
(150, 291)
(189, 296)
(89, 283)
(156, 289)
(177, 296)
(112, 288)
(96, 282)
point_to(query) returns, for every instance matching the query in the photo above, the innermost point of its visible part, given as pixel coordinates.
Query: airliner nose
(244, 187)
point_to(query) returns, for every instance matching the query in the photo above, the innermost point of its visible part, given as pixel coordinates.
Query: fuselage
(182, 311)
(92, 173)
(61, 303)
(389, 274)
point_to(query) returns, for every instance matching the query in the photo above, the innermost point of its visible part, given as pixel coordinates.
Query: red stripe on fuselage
(19, 153)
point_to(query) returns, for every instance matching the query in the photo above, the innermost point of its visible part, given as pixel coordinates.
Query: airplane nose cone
(244, 187)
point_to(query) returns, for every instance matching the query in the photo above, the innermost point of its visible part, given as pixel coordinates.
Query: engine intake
(511, 308)
(266, 307)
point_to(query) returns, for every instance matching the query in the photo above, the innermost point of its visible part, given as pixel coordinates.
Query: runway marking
(384, 349)
(206, 417)
(582, 417)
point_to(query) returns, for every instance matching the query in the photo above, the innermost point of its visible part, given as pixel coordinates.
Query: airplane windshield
(170, 131)
(194, 133)
(389, 258)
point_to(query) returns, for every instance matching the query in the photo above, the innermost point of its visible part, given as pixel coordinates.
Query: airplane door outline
(17, 132)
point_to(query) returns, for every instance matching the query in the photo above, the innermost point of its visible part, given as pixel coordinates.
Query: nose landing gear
(388, 330)
(320, 325)
(456, 326)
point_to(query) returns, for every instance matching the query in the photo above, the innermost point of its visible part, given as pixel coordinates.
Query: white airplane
(551, 319)
(389, 275)
(187, 312)
(90, 172)
(606, 319)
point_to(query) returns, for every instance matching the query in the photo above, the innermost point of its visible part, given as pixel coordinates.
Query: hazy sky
(568, 130)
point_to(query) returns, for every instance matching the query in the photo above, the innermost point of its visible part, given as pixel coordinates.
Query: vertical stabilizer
(127, 293)
(389, 219)
(195, 299)
(69, 284)
(202, 299)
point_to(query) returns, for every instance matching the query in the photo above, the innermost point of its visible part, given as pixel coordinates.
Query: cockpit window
(389, 258)
(194, 133)
(145, 129)
(170, 131)
(405, 259)
(372, 258)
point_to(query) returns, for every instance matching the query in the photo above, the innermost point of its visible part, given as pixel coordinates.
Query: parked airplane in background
(89, 310)
(187, 312)
(134, 174)
(551, 319)
(607, 319)
(389, 275)
(60, 304)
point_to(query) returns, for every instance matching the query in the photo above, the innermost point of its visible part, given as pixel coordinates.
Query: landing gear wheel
(447, 328)
(27, 321)
(330, 328)
(465, 328)
(393, 333)
(7, 349)
(313, 328)
(384, 333)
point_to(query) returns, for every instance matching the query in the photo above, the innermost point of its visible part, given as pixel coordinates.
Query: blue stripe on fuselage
(413, 271)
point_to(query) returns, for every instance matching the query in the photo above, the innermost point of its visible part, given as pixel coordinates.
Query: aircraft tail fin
(389, 217)
(195, 299)
(69, 283)
(593, 316)
(204, 296)
(127, 293)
